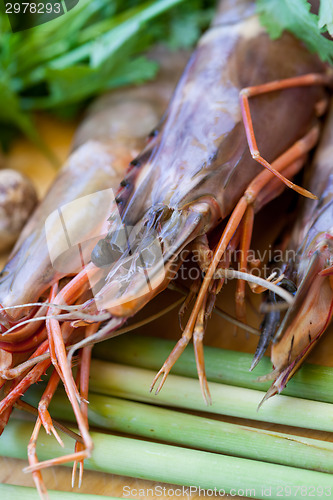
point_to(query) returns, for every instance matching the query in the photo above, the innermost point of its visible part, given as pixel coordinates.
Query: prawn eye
(104, 254)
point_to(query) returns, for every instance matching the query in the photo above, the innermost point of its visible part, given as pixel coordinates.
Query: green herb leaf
(295, 16)
(72, 85)
(11, 113)
(326, 16)
(96, 46)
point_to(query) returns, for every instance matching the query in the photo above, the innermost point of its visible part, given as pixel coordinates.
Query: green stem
(229, 367)
(181, 392)
(176, 465)
(9, 492)
(197, 432)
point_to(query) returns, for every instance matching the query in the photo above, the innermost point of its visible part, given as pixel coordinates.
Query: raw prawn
(309, 267)
(103, 146)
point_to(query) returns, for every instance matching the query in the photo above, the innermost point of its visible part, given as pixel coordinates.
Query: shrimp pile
(227, 144)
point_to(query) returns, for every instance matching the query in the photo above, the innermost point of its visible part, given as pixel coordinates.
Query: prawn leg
(292, 155)
(16, 392)
(194, 288)
(300, 81)
(247, 228)
(69, 293)
(71, 391)
(44, 419)
(198, 335)
(53, 294)
(43, 405)
(84, 389)
(172, 358)
(4, 417)
(33, 460)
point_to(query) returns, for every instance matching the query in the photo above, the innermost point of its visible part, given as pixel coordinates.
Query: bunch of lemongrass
(205, 452)
(174, 464)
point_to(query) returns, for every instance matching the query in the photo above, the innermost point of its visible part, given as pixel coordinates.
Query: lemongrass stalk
(229, 367)
(175, 465)
(10, 491)
(182, 392)
(197, 432)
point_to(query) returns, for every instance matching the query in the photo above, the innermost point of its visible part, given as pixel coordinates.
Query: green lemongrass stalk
(229, 367)
(10, 491)
(175, 465)
(197, 432)
(182, 392)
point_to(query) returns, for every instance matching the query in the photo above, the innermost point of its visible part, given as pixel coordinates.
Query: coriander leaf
(326, 15)
(295, 16)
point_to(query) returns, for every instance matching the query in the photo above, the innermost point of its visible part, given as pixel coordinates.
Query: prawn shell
(201, 148)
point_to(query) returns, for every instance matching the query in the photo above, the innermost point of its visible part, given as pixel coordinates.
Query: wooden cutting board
(29, 160)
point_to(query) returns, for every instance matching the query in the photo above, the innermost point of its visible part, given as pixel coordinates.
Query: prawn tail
(304, 323)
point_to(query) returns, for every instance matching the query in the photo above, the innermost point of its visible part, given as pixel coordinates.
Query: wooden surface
(26, 158)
